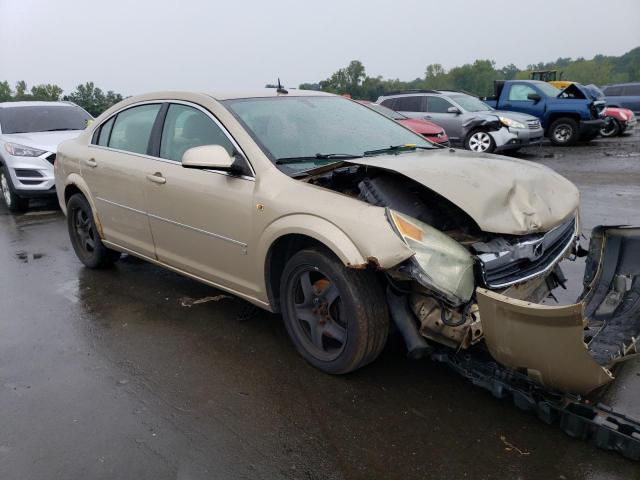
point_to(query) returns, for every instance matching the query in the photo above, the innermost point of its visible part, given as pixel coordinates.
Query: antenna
(280, 88)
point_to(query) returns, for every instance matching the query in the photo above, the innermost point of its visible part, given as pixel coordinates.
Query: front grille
(51, 158)
(533, 124)
(527, 259)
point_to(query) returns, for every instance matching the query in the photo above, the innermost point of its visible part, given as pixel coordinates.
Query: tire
(14, 203)
(346, 309)
(480, 141)
(84, 235)
(564, 132)
(611, 128)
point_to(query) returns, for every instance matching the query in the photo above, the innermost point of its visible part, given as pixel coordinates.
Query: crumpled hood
(501, 194)
(48, 141)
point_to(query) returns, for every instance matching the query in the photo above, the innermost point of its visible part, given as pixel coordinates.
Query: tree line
(478, 77)
(86, 95)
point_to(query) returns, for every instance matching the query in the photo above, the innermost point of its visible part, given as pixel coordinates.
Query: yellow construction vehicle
(551, 76)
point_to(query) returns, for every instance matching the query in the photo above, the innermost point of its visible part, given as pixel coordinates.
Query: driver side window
(187, 127)
(519, 93)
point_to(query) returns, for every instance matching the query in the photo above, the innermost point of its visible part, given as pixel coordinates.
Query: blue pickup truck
(567, 116)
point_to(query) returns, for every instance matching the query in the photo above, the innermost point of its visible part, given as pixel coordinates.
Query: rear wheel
(611, 127)
(336, 316)
(564, 132)
(84, 235)
(14, 203)
(480, 141)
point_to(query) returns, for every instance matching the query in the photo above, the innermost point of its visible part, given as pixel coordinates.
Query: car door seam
(157, 217)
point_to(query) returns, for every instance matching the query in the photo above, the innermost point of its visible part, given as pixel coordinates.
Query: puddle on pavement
(26, 257)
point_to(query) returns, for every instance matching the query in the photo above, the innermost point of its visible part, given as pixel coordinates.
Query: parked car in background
(625, 95)
(617, 121)
(429, 130)
(29, 136)
(567, 116)
(341, 219)
(469, 122)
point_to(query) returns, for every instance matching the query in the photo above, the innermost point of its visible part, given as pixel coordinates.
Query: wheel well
(279, 252)
(69, 191)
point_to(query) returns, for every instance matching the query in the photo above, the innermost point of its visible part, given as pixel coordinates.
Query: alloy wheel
(317, 313)
(563, 133)
(4, 186)
(480, 142)
(85, 235)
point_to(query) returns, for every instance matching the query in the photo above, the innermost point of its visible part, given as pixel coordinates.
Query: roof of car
(32, 104)
(266, 92)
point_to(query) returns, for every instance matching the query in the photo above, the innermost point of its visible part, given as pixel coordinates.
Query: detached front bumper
(572, 348)
(591, 127)
(510, 138)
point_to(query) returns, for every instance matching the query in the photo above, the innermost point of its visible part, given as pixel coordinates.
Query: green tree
(92, 98)
(47, 92)
(21, 90)
(5, 91)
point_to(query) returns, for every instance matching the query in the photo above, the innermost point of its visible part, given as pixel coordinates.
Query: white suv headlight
(445, 265)
(22, 150)
(508, 122)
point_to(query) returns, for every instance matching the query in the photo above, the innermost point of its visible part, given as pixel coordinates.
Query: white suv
(29, 136)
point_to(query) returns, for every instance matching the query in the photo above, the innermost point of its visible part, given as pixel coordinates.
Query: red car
(617, 121)
(429, 130)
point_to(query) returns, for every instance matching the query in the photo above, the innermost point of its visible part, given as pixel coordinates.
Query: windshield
(303, 127)
(42, 118)
(387, 112)
(548, 89)
(470, 104)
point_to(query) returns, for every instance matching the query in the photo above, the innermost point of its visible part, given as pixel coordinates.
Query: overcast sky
(133, 46)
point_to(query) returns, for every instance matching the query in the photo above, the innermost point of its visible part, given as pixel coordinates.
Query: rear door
(116, 174)
(437, 111)
(200, 219)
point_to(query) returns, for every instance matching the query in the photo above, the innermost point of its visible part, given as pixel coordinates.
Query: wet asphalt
(117, 374)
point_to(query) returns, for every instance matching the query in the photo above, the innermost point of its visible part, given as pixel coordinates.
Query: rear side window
(105, 131)
(520, 92)
(411, 103)
(187, 127)
(389, 103)
(437, 105)
(631, 89)
(613, 91)
(132, 128)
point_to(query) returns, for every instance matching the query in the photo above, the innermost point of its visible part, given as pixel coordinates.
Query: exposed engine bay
(511, 276)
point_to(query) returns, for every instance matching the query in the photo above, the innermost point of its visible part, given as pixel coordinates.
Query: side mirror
(209, 157)
(455, 110)
(534, 96)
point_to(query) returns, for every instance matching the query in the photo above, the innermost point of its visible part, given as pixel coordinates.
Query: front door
(200, 219)
(116, 174)
(438, 112)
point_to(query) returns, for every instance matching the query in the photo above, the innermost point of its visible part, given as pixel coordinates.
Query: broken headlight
(443, 265)
(508, 122)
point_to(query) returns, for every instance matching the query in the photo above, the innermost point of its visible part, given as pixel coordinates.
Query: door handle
(157, 178)
(91, 163)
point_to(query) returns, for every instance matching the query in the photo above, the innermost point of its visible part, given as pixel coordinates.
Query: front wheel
(84, 235)
(564, 132)
(336, 316)
(611, 127)
(14, 203)
(480, 141)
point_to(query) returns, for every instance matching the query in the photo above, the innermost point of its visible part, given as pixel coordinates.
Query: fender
(386, 251)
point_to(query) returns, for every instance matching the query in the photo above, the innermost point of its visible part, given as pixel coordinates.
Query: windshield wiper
(317, 156)
(57, 130)
(396, 148)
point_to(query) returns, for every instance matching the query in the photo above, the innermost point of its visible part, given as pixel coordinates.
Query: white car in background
(30, 133)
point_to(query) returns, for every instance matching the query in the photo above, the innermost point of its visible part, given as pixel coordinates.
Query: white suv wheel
(4, 185)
